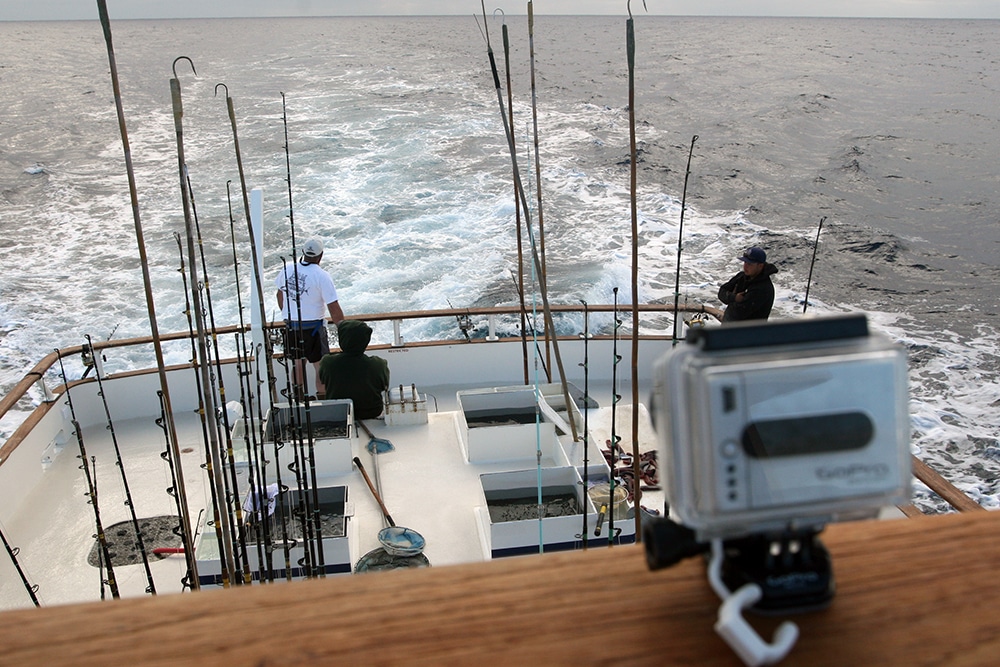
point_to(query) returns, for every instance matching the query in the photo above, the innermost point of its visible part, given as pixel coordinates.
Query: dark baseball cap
(753, 255)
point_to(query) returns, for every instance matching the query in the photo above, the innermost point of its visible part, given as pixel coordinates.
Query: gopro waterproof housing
(783, 426)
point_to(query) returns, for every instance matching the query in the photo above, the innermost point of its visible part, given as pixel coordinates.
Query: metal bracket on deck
(92, 359)
(47, 395)
(492, 323)
(397, 337)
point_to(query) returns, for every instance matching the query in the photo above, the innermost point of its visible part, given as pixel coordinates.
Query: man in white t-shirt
(306, 295)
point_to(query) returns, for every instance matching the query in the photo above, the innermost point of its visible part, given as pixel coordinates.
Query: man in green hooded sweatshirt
(353, 374)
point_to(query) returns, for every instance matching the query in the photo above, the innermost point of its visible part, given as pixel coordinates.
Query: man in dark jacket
(353, 374)
(749, 294)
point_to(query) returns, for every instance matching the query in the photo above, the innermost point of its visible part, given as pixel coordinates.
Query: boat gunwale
(951, 494)
(37, 373)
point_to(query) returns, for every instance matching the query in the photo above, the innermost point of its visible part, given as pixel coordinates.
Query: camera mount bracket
(792, 569)
(785, 572)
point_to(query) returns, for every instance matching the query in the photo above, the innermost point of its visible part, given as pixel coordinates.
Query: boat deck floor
(426, 481)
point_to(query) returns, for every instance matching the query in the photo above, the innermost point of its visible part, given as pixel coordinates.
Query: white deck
(427, 484)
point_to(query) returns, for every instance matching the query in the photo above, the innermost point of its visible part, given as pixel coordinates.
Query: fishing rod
(586, 412)
(464, 321)
(231, 485)
(680, 236)
(519, 283)
(144, 264)
(100, 556)
(90, 367)
(172, 489)
(633, 200)
(538, 167)
(542, 286)
(316, 514)
(299, 371)
(805, 304)
(254, 486)
(266, 345)
(102, 539)
(140, 544)
(28, 586)
(292, 431)
(226, 546)
(615, 438)
(209, 464)
(278, 440)
(256, 478)
(295, 390)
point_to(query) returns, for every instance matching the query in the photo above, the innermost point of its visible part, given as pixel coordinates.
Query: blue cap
(753, 255)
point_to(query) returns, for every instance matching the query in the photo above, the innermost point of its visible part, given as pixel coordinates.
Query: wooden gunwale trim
(900, 600)
(950, 493)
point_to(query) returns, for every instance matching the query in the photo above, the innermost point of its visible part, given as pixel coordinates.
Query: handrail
(39, 370)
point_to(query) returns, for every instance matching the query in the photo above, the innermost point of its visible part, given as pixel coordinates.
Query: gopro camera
(788, 425)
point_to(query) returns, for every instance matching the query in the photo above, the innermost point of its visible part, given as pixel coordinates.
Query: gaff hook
(178, 58)
(628, 5)
(224, 86)
(503, 20)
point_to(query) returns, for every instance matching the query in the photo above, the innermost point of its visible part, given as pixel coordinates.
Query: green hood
(354, 336)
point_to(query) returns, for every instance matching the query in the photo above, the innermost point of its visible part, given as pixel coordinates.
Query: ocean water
(888, 129)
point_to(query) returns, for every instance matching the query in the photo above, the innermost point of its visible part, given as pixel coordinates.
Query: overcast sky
(32, 10)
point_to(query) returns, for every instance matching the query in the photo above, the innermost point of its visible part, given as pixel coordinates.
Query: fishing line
(226, 545)
(805, 304)
(102, 540)
(144, 264)
(139, 542)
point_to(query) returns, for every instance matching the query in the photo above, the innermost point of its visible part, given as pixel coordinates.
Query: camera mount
(766, 573)
(793, 570)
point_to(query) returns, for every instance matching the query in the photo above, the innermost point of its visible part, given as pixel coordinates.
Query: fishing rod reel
(772, 431)
(697, 321)
(464, 320)
(276, 337)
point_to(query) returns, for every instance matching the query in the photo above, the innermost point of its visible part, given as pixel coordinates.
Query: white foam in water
(398, 162)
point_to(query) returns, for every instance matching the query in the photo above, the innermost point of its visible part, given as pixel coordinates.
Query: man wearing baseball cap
(749, 294)
(306, 295)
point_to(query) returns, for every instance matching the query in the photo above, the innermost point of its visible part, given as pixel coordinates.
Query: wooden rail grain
(910, 592)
